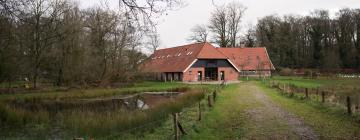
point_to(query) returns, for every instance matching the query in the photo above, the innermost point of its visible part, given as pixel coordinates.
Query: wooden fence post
(199, 111)
(348, 104)
(209, 101)
(181, 128)
(317, 93)
(306, 93)
(317, 90)
(214, 96)
(290, 88)
(176, 131)
(323, 96)
(284, 89)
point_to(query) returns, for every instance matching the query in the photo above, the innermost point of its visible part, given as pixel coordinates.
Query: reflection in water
(142, 105)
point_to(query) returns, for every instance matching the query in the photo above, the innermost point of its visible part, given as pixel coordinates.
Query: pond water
(139, 101)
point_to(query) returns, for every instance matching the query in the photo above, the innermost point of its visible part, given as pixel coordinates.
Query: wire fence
(163, 129)
(343, 97)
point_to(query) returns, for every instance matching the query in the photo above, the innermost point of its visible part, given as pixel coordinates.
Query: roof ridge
(241, 48)
(198, 53)
(212, 46)
(183, 46)
(217, 49)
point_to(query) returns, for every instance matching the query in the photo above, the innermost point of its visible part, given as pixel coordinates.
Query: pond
(137, 101)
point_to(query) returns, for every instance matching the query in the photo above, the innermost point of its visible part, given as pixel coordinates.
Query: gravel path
(271, 121)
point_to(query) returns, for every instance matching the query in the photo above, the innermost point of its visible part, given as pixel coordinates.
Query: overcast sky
(175, 27)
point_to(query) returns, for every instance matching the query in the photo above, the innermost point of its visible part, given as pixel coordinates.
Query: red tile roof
(208, 51)
(175, 59)
(178, 59)
(249, 58)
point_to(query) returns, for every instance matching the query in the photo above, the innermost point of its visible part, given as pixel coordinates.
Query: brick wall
(230, 73)
(191, 74)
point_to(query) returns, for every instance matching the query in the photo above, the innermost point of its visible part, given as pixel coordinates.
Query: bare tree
(249, 39)
(225, 23)
(40, 18)
(218, 25)
(153, 41)
(101, 23)
(67, 56)
(55, 40)
(235, 13)
(144, 12)
(199, 33)
(10, 58)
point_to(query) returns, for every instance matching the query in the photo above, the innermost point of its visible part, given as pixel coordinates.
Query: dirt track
(268, 120)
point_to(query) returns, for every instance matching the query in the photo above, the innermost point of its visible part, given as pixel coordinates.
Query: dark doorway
(222, 75)
(199, 75)
(211, 74)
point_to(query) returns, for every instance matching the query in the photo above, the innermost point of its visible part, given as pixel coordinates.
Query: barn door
(222, 75)
(199, 76)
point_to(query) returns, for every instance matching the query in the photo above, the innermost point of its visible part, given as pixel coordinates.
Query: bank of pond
(92, 117)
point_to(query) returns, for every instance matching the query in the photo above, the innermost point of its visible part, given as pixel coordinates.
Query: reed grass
(87, 122)
(91, 93)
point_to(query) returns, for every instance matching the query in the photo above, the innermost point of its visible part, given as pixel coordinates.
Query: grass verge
(329, 123)
(314, 83)
(224, 120)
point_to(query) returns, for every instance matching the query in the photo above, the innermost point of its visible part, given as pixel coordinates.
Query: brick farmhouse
(204, 62)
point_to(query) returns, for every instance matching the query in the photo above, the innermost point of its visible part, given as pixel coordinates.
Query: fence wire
(188, 118)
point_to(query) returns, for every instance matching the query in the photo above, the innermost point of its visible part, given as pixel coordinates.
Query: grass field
(225, 120)
(249, 110)
(229, 119)
(319, 82)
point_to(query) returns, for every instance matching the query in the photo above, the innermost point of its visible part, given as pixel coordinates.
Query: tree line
(55, 41)
(316, 40)
(312, 41)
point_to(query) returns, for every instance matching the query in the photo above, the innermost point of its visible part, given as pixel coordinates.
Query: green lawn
(328, 122)
(225, 120)
(313, 83)
(228, 120)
